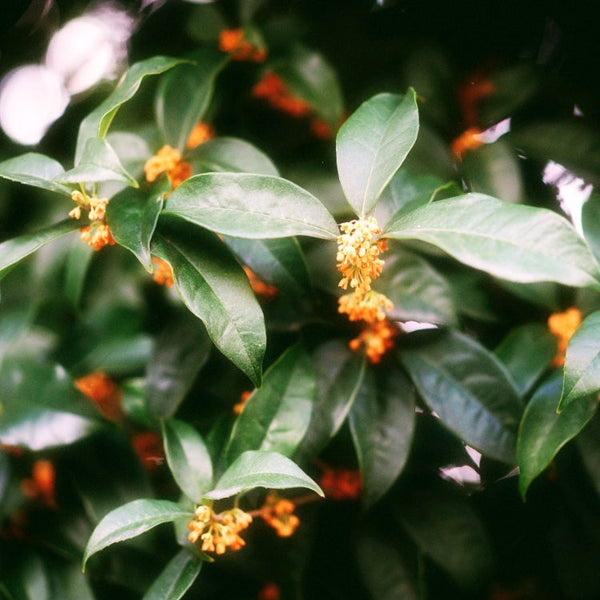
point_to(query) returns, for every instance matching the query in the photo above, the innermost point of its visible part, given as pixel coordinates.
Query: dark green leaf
(527, 352)
(589, 450)
(131, 520)
(514, 242)
(232, 155)
(217, 291)
(372, 144)
(543, 432)
(132, 216)
(34, 169)
(260, 468)
(96, 124)
(188, 458)
(176, 578)
(582, 362)
(382, 420)
(120, 353)
(41, 408)
(469, 389)
(250, 206)
(12, 251)
(76, 268)
(590, 223)
(279, 262)
(339, 377)
(277, 415)
(185, 93)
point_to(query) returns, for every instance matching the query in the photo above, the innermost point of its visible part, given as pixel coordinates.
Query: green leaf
(131, 520)
(339, 375)
(590, 223)
(543, 432)
(96, 124)
(279, 262)
(277, 415)
(132, 216)
(176, 578)
(589, 450)
(214, 287)
(179, 352)
(185, 93)
(582, 362)
(250, 206)
(78, 261)
(188, 458)
(418, 291)
(446, 528)
(470, 391)
(12, 251)
(98, 162)
(40, 406)
(260, 468)
(527, 352)
(372, 144)
(231, 155)
(34, 169)
(382, 421)
(514, 242)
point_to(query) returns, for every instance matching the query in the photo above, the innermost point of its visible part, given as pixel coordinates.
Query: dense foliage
(287, 297)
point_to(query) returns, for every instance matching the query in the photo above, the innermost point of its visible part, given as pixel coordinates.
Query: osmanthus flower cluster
(96, 234)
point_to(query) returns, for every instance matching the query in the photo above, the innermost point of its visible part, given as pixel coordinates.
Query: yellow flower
(202, 132)
(162, 274)
(163, 161)
(278, 513)
(370, 308)
(218, 531)
(563, 325)
(97, 235)
(377, 338)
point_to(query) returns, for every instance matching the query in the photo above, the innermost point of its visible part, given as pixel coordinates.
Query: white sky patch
(494, 132)
(572, 191)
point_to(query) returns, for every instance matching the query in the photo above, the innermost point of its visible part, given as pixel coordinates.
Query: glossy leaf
(214, 287)
(543, 432)
(277, 415)
(590, 223)
(250, 206)
(232, 155)
(132, 216)
(185, 93)
(98, 162)
(261, 468)
(188, 458)
(179, 352)
(582, 362)
(76, 268)
(16, 249)
(176, 578)
(527, 352)
(514, 242)
(382, 420)
(469, 389)
(41, 408)
(372, 144)
(279, 262)
(339, 375)
(131, 520)
(96, 124)
(34, 169)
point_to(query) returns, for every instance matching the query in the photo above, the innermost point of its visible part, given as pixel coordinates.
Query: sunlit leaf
(34, 169)
(250, 206)
(176, 578)
(131, 520)
(372, 144)
(582, 362)
(188, 458)
(260, 468)
(277, 415)
(469, 389)
(514, 242)
(543, 432)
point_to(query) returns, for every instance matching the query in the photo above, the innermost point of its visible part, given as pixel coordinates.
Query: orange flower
(269, 591)
(320, 129)
(468, 140)
(149, 448)
(104, 394)
(234, 43)
(162, 274)
(470, 94)
(259, 287)
(41, 486)
(163, 161)
(201, 133)
(278, 513)
(341, 484)
(97, 235)
(179, 173)
(377, 338)
(370, 308)
(563, 326)
(274, 91)
(218, 531)
(239, 407)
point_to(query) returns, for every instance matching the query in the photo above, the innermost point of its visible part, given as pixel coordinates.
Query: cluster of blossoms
(341, 484)
(218, 531)
(563, 325)
(96, 234)
(358, 256)
(278, 513)
(168, 160)
(235, 43)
